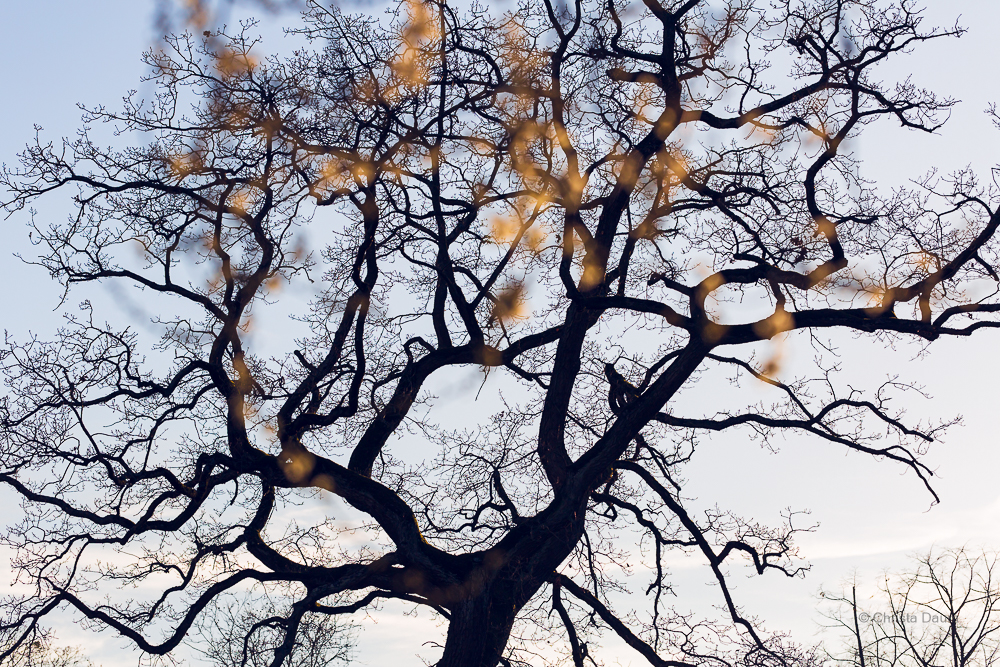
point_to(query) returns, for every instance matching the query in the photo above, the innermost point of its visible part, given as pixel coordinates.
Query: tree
(40, 652)
(521, 192)
(945, 611)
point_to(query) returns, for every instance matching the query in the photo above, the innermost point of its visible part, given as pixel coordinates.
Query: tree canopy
(594, 202)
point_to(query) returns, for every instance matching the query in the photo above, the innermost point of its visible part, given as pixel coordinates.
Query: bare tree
(593, 202)
(41, 651)
(943, 613)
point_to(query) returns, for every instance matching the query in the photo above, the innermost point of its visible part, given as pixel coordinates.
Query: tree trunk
(480, 625)
(478, 631)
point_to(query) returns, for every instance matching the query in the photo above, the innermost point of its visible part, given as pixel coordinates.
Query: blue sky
(58, 53)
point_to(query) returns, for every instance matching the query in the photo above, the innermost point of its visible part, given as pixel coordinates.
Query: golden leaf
(363, 170)
(772, 366)
(777, 323)
(927, 261)
(504, 229)
(710, 284)
(712, 332)
(535, 238)
(184, 164)
(274, 284)
(420, 29)
(487, 355)
(510, 304)
(574, 186)
(593, 272)
(296, 463)
(324, 481)
(825, 227)
(239, 201)
(234, 63)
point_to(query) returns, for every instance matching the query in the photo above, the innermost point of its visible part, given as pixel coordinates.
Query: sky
(871, 516)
